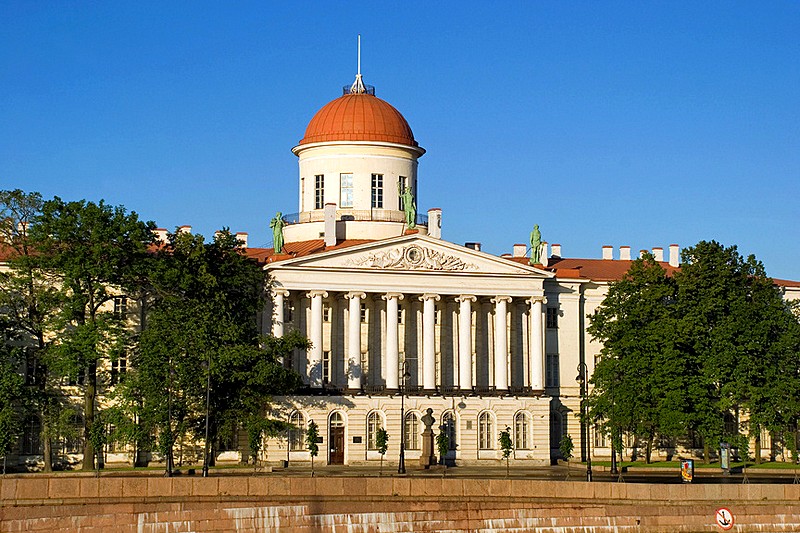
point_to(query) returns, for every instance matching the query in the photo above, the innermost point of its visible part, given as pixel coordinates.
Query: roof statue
(277, 225)
(536, 245)
(409, 206)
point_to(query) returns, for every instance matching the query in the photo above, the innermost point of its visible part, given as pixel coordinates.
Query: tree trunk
(648, 451)
(88, 414)
(758, 446)
(706, 452)
(47, 452)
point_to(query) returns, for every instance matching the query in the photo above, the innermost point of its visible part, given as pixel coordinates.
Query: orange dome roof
(359, 117)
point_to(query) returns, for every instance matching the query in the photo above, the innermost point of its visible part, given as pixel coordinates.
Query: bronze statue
(536, 245)
(409, 206)
(277, 225)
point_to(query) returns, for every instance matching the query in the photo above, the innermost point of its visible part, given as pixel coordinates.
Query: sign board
(725, 457)
(687, 470)
(724, 518)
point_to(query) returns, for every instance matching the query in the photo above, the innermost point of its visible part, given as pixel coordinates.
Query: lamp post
(208, 410)
(401, 466)
(583, 370)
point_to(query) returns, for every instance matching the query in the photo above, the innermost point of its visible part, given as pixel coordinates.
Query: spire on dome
(358, 85)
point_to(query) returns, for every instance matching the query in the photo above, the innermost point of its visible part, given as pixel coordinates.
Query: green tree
(640, 379)
(312, 434)
(443, 444)
(565, 447)
(215, 293)
(506, 446)
(382, 442)
(88, 251)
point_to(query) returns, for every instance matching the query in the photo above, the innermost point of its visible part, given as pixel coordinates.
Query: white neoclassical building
(401, 321)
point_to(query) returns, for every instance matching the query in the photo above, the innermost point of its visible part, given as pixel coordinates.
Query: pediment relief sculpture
(413, 257)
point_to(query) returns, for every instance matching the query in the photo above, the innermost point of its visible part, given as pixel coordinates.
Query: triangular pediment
(412, 253)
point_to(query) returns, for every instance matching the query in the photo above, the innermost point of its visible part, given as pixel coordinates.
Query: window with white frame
(118, 368)
(326, 313)
(31, 436)
(599, 437)
(552, 318)
(346, 190)
(551, 370)
(364, 313)
(297, 432)
(319, 191)
(326, 366)
(374, 423)
(399, 314)
(485, 431)
(521, 430)
(377, 191)
(120, 306)
(411, 432)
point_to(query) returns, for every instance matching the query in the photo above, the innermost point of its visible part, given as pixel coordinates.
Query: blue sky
(619, 123)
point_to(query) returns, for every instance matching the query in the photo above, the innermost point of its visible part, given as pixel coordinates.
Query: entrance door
(336, 440)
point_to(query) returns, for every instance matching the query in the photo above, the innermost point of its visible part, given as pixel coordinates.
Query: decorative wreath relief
(413, 257)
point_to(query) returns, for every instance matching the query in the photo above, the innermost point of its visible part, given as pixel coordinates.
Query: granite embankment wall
(391, 504)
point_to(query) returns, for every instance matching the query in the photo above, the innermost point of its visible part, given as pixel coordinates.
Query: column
(429, 340)
(501, 342)
(465, 341)
(314, 368)
(537, 343)
(278, 312)
(354, 340)
(392, 346)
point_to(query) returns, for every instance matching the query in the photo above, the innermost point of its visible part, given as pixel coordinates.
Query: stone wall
(370, 504)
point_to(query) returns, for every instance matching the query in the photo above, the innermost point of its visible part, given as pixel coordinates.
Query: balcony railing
(374, 215)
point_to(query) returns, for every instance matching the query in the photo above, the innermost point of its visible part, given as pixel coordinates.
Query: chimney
(161, 234)
(185, 229)
(608, 252)
(556, 250)
(519, 250)
(473, 246)
(435, 223)
(674, 255)
(624, 253)
(330, 225)
(642, 252)
(241, 236)
(658, 253)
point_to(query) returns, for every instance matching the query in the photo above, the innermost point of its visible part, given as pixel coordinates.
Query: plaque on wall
(356, 440)
(319, 439)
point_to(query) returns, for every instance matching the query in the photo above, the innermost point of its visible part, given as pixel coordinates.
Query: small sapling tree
(506, 446)
(565, 447)
(442, 444)
(312, 434)
(382, 442)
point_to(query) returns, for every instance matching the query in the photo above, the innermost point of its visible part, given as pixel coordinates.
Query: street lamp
(583, 372)
(401, 466)
(208, 404)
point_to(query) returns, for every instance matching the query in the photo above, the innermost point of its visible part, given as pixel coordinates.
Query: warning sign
(724, 518)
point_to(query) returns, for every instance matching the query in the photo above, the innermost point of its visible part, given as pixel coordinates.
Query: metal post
(614, 469)
(401, 467)
(583, 380)
(208, 404)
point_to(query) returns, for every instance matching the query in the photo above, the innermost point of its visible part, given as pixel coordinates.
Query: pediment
(413, 253)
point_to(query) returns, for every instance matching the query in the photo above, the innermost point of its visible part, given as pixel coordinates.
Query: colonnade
(392, 344)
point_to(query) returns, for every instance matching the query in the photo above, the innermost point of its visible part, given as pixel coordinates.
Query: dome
(359, 117)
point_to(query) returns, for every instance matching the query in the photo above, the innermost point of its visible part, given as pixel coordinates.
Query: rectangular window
(326, 367)
(377, 191)
(120, 306)
(319, 191)
(326, 313)
(346, 196)
(118, 368)
(34, 370)
(599, 437)
(552, 317)
(399, 315)
(288, 313)
(364, 315)
(403, 183)
(364, 366)
(551, 377)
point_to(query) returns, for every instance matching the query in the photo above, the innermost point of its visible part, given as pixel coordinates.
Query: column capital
(276, 292)
(466, 298)
(312, 294)
(537, 299)
(498, 299)
(390, 295)
(355, 294)
(430, 296)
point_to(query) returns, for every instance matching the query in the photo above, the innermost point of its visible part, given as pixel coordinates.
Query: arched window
(449, 426)
(485, 431)
(521, 431)
(336, 420)
(411, 432)
(557, 429)
(297, 432)
(374, 423)
(31, 436)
